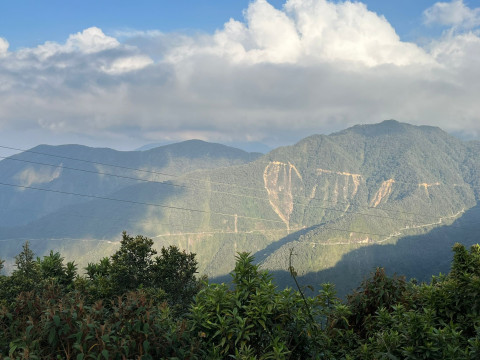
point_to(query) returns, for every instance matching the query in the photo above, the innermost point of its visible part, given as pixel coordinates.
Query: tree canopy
(166, 314)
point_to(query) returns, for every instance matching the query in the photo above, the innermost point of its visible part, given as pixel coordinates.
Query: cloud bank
(454, 13)
(275, 76)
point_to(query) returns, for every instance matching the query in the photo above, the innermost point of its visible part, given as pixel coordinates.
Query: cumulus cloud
(90, 40)
(308, 32)
(274, 76)
(454, 13)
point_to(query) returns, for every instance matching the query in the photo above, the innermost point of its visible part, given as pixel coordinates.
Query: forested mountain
(370, 195)
(45, 182)
(61, 168)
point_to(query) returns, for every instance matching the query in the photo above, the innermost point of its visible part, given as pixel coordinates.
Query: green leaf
(27, 331)
(13, 347)
(51, 336)
(105, 353)
(146, 346)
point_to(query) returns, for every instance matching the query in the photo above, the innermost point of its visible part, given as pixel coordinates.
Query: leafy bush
(59, 317)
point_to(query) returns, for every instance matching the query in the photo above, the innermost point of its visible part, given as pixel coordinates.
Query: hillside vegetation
(345, 202)
(137, 305)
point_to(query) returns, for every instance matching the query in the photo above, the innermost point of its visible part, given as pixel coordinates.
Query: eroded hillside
(325, 197)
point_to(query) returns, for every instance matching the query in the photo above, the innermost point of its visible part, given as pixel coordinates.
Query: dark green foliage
(26, 276)
(131, 265)
(52, 268)
(169, 277)
(254, 320)
(456, 297)
(385, 318)
(174, 272)
(100, 269)
(27, 273)
(52, 326)
(377, 292)
(436, 321)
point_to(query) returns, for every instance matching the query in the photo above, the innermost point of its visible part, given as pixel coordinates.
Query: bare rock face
(282, 181)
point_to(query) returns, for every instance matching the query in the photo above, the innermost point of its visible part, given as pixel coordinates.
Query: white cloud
(3, 47)
(275, 76)
(89, 49)
(454, 13)
(350, 32)
(308, 32)
(458, 50)
(127, 64)
(90, 40)
(33, 176)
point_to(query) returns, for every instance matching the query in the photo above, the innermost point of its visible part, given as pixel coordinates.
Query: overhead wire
(196, 179)
(189, 187)
(184, 186)
(87, 161)
(215, 191)
(83, 216)
(322, 227)
(138, 202)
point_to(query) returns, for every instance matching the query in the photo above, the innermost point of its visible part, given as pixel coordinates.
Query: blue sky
(29, 23)
(127, 73)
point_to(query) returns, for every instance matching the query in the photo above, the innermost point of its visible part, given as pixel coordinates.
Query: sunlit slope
(366, 185)
(325, 196)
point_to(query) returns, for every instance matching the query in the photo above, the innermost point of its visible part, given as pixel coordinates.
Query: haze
(274, 73)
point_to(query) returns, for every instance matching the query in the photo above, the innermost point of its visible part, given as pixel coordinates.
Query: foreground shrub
(48, 327)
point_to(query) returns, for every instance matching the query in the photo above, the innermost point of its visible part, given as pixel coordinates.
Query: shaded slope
(364, 187)
(31, 168)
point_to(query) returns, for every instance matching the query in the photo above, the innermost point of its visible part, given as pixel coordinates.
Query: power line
(231, 232)
(88, 161)
(213, 191)
(206, 181)
(187, 187)
(120, 167)
(138, 202)
(91, 171)
(214, 231)
(131, 220)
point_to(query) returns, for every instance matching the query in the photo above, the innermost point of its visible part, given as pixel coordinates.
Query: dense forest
(138, 304)
(388, 194)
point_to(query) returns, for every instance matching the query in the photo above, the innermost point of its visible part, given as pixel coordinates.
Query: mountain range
(388, 194)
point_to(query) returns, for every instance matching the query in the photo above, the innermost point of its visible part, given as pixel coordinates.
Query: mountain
(344, 203)
(249, 146)
(63, 171)
(61, 168)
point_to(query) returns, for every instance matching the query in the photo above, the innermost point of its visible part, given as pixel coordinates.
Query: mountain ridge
(325, 196)
(78, 168)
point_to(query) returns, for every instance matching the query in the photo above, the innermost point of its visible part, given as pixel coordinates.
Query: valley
(327, 197)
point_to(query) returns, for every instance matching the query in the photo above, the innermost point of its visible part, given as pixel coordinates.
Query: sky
(123, 74)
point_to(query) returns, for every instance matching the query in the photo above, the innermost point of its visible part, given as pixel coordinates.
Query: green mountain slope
(367, 187)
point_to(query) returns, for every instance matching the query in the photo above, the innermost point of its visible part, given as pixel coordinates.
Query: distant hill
(344, 202)
(61, 168)
(249, 146)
